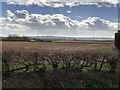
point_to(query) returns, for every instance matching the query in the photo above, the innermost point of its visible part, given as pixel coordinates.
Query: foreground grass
(62, 79)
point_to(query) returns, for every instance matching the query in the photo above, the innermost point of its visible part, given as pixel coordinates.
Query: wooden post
(35, 66)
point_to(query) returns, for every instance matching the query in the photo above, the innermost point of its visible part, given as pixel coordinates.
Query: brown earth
(63, 46)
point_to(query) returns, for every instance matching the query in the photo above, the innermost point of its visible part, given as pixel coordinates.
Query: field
(69, 46)
(60, 64)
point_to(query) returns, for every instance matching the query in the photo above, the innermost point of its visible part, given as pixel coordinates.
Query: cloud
(21, 13)
(24, 22)
(98, 23)
(9, 13)
(9, 25)
(69, 11)
(61, 3)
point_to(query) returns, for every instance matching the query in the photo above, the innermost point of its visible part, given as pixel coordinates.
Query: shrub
(37, 61)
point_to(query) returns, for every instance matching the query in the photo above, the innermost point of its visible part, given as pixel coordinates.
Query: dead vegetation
(58, 67)
(14, 61)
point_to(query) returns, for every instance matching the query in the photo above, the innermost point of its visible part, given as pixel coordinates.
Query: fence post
(35, 66)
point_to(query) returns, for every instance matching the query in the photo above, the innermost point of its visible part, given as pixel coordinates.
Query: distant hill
(49, 38)
(53, 38)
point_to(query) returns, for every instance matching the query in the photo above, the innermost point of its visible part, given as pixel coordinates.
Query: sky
(74, 19)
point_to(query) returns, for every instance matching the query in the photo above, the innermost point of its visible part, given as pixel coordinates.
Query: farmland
(59, 64)
(58, 45)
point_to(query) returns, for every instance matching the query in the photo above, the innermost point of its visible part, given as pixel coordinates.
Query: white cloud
(61, 3)
(9, 25)
(69, 11)
(9, 13)
(21, 13)
(23, 22)
(98, 23)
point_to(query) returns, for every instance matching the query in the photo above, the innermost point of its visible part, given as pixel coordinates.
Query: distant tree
(16, 37)
(117, 39)
(13, 35)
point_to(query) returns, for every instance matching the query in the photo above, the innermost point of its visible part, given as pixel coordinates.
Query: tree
(13, 35)
(16, 37)
(117, 39)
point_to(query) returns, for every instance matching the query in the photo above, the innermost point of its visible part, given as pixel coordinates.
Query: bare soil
(63, 46)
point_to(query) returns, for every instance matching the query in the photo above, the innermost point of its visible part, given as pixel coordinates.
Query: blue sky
(84, 20)
(77, 12)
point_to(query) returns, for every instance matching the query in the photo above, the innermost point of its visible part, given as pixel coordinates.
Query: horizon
(57, 36)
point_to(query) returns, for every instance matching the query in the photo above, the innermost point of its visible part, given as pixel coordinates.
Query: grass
(62, 79)
(67, 78)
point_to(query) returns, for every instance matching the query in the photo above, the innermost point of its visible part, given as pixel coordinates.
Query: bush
(37, 61)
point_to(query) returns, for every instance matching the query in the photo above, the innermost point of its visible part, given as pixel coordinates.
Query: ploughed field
(67, 46)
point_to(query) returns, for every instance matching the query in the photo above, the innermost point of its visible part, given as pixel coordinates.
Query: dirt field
(67, 46)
